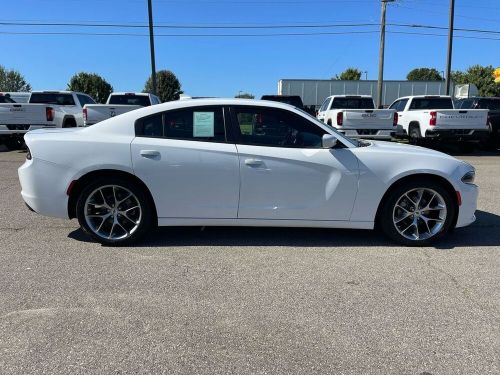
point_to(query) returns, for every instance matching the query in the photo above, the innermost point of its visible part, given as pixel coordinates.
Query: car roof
(131, 93)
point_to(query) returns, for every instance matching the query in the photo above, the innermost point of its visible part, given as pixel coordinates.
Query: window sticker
(203, 124)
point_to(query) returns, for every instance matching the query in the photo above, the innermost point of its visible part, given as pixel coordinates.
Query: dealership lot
(233, 300)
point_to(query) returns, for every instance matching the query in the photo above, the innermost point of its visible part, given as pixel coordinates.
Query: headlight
(469, 177)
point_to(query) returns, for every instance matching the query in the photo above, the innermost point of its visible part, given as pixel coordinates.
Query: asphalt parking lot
(248, 300)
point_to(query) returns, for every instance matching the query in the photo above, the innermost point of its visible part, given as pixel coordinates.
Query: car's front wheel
(114, 211)
(418, 213)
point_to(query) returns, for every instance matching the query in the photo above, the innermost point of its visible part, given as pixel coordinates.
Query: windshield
(142, 100)
(322, 124)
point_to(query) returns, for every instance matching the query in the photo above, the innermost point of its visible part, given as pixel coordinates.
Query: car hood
(393, 147)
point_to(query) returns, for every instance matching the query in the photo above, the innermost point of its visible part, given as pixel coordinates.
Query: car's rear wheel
(414, 135)
(418, 213)
(114, 211)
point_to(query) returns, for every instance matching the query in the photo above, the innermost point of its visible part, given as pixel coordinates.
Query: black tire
(146, 221)
(386, 222)
(69, 123)
(14, 143)
(466, 147)
(414, 135)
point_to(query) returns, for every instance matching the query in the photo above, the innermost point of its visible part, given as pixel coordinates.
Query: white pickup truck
(118, 103)
(18, 118)
(356, 117)
(434, 118)
(61, 109)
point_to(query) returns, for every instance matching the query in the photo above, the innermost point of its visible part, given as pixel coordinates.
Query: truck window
(52, 98)
(491, 104)
(352, 103)
(142, 100)
(431, 103)
(324, 105)
(84, 99)
(6, 99)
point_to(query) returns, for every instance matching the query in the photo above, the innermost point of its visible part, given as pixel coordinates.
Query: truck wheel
(14, 143)
(69, 123)
(466, 147)
(414, 135)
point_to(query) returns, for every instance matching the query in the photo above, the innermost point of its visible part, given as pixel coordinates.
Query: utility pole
(450, 46)
(381, 53)
(152, 47)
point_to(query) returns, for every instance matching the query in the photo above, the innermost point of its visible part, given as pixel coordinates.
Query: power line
(236, 27)
(239, 35)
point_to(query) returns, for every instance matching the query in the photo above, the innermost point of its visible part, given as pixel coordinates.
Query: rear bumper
(44, 188)
(457, 134)
(17, 129)
(369, 133)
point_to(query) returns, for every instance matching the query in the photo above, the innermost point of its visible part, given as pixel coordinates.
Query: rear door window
(191, 124)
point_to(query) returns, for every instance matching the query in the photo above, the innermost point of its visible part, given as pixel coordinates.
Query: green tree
(168, 86)
(350, 74)
(424, 74)
(12, 80)
(91, 84)
(481, 76)
(245, 95)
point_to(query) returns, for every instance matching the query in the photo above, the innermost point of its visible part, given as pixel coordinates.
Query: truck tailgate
(368, 119)
(100, 112)
(461, 119)
(23, 114)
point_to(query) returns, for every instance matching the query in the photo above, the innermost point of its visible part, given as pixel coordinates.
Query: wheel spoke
(102, 223)
(124, 199)
(129, 219)
(121, 226)
(114, 196)
(420, 195)
(405, 216)
(111, 231)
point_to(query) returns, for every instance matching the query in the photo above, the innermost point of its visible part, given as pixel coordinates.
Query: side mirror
(328, 141)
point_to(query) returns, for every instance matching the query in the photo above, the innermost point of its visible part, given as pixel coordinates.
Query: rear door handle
(150, 154)
(254, 162)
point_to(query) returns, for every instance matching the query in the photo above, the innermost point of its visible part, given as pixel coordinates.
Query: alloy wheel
(419, 214)
(113, 212)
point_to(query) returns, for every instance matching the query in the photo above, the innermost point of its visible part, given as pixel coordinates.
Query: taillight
(50, 113)
(340, 118)
(432, 121)
(85, 114)
(395, 119)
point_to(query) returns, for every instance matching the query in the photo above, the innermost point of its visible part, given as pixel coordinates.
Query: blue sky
(222, 66)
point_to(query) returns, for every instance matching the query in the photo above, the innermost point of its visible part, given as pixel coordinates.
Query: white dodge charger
(211, 162)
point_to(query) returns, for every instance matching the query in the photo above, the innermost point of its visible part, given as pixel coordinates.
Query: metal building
(315, 91)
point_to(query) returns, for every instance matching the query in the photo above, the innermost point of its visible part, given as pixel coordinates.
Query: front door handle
(150, 154)
(254, 162)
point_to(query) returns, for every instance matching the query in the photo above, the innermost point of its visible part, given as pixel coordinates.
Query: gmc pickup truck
(18, 118)
(356, 117)
(62, 109)
(435, 118)
(493, 106)
(118, 103)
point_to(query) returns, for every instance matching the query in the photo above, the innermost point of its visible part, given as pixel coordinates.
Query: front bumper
(466, 212)
(457, 134)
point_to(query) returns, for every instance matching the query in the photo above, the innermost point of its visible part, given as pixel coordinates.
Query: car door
(285, 172)
(399, 107)
(184, 158)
